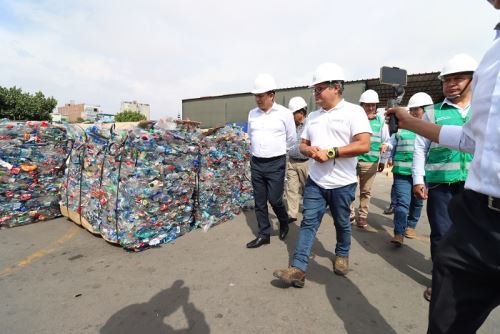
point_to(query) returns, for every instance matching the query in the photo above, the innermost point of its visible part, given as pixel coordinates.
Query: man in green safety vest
(444, 169)
(369, 163)
(407, 207)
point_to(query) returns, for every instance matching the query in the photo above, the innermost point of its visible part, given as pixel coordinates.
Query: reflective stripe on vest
(403, 159)
(376, 124)
(444, 165)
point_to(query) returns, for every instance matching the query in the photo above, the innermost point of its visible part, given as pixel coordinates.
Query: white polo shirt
(272, 132)
(335, 128)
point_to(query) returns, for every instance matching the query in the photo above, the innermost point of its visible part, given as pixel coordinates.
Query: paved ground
(57, 278)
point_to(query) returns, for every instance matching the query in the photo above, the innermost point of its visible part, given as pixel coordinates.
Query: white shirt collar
(337, 106)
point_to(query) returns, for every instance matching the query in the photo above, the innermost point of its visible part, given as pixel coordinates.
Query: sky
(160, 52)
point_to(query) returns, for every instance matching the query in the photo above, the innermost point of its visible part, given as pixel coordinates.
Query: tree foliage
(129, 116)
(17, 105)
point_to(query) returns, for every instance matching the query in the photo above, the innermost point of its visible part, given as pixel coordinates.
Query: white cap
(328, 72)
(457, 64)
(296, 103)
(369, 96)
(263, 83)
(420, 99)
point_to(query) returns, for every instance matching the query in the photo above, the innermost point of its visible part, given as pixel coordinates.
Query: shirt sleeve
(454, 137)
(421, 148)
(360, 123)
(291, 134)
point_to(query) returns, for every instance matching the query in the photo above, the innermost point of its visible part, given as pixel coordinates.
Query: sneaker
(292, 276)
(389, 210)
(362, 222)
(398, 240)
(410, 233)
(341, 265)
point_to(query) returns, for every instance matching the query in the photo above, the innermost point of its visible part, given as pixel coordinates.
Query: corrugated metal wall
(219, 110)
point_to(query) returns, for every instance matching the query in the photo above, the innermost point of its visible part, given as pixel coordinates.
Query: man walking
(297, 166)
(333, 136)
(272, 131)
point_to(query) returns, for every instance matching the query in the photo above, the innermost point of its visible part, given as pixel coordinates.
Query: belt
(494, 203)
(300, 160)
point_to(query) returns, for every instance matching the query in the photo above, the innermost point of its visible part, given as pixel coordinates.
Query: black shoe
(389, 210)
(259, 241)
(292, 220)
(283, 231)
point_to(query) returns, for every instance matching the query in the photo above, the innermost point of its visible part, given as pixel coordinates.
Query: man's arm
(291, 134)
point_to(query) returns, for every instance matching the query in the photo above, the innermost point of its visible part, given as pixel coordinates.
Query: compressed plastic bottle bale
(32, 156)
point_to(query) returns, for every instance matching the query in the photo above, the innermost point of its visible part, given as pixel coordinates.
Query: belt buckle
(494, 203)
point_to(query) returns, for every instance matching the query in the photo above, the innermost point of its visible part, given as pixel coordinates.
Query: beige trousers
(296, 174)
(366, 174)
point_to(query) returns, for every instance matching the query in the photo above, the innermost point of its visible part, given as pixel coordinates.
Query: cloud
(160, 52)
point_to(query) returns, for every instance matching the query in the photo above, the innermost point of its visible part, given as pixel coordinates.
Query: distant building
(71, 112)
(214, 111)
(105, 118)
(143, 108)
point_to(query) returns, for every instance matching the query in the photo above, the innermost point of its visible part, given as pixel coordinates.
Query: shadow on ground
(149, 317)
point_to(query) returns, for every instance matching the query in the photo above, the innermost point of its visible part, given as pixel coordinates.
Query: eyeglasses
(319, 90)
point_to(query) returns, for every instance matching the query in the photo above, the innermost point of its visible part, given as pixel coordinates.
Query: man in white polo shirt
(271, 129)
(333, 136)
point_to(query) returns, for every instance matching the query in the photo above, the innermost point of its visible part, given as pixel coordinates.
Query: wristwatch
(331, 153)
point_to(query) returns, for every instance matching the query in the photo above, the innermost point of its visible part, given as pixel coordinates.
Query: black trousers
(268, 180)
(466, 271)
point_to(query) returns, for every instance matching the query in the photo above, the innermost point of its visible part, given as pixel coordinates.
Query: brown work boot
(398, 240)
(410, 233)
(362, 222)
(292, 276)
(341, 265)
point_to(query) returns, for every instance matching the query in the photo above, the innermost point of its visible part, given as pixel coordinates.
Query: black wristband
(337, 154)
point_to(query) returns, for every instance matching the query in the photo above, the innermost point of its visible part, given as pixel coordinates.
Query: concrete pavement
(57, 278)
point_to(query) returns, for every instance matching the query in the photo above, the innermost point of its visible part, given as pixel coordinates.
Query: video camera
(395, 77)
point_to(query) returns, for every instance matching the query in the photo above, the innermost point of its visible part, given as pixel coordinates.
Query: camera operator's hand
(404, 118)
(420, 191)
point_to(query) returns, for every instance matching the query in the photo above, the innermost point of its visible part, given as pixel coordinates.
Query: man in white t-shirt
(333, 136)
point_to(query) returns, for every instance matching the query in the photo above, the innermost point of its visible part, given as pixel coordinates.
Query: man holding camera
(467, 265)
(333, 136)
(444, 169)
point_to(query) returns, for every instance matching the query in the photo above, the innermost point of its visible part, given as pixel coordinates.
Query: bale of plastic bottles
(32, 156)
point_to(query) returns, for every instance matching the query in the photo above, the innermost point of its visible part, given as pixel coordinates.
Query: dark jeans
(393, 192)
(315, 201)
(466, 273)
(440, 195)
(407, 208)
(268, 179)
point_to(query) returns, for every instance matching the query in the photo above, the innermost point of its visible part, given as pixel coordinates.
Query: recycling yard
(56, 277)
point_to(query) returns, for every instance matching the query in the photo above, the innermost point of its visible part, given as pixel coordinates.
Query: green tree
(129, 116)
(17, 105)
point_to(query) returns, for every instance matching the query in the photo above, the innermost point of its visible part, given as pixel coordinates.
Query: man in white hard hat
(369, 163)
(442, 169)
(271, 130)
(407, 207)
(333, 136)
(466, 267)
(297, 165)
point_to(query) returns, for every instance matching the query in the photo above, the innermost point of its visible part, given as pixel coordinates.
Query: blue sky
(160, 52)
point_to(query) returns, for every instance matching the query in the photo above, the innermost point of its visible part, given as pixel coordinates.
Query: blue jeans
(407, 207)
(315, 201)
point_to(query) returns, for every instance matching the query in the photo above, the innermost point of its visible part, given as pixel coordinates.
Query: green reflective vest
(444, 165)
(403, 157)
(376, 124)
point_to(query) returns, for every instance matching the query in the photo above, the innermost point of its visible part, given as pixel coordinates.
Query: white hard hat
(420, 99)
(459, 63)
(328, 72)
(369, 96)
(296, 103)
(263, 83)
